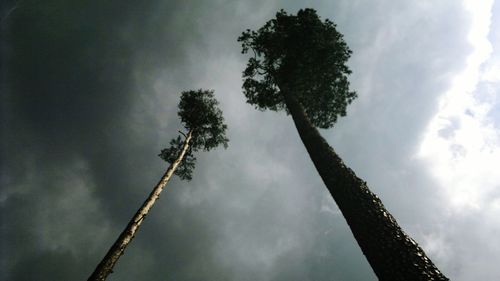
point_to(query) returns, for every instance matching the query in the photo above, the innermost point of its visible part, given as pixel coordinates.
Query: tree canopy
(298, 55)
(200, 115)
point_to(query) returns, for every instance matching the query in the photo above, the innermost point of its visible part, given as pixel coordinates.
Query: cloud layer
(89, 96)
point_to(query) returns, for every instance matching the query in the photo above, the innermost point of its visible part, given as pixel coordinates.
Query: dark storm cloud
(77, 104)
(71, 97)
(71, 84)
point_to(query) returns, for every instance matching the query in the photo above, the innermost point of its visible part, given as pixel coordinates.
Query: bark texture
(105, 267)
(392, 254)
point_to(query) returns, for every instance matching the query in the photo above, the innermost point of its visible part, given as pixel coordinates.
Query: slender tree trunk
(392, 254)
(105, 267)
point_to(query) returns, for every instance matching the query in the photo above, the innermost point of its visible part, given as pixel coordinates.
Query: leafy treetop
(300, 56)
(200, 115)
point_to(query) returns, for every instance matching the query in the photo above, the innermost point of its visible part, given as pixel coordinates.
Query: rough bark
(105, 267)
(392, 254)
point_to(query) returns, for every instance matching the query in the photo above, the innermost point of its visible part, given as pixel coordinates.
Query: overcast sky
(89, 95)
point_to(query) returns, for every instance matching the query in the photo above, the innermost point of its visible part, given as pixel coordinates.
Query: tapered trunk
(105, 267)
(392, 254)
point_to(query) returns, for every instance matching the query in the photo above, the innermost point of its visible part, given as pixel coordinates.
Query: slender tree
(205, 130)
(298, 64)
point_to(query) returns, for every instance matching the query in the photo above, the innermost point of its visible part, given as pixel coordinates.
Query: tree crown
(199, 113)
(299, 55)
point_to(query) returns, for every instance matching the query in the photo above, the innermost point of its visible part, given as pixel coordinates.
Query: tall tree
(298, 64)
(205, 130)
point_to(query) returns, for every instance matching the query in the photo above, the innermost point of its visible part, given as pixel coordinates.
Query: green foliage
(199, 114)
(300, 56)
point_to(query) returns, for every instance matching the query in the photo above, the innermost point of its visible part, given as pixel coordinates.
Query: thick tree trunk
(105, 267)
(392, 254)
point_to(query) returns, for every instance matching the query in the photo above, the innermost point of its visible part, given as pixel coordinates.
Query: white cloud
(461, 148)
(461, 145)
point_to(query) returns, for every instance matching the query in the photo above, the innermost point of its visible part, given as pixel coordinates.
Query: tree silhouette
(205, 130)
(299, 65)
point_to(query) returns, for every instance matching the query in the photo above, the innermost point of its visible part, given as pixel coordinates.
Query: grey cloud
(448, 131)
(91, 99)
